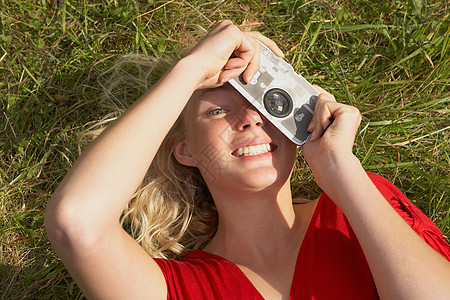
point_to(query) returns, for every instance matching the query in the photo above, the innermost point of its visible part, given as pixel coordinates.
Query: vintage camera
(285, 98)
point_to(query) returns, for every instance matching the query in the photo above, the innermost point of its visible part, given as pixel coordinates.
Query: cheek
(209, 145)
(206, 138)
(212, 157)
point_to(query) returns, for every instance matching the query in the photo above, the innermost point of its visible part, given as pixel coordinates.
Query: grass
(388, 58)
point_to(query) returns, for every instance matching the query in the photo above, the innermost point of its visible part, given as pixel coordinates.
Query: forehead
(224, 91)
(219, 96)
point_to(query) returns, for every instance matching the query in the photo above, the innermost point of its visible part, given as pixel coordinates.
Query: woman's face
(233, 145)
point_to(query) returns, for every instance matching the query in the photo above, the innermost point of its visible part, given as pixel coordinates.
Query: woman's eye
(218, 111)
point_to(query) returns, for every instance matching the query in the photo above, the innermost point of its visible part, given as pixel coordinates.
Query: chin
(257, 181)
(260, 182)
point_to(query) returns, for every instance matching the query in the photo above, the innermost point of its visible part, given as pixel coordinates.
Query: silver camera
(285, 98)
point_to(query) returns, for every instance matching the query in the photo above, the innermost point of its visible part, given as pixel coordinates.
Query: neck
(258, 223)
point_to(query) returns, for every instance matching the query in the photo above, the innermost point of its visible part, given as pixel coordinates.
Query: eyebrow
(225, 95)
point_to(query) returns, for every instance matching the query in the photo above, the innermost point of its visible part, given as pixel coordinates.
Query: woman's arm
(402, 264)
(82, 218)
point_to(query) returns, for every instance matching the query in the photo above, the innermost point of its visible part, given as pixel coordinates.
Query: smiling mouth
(253, 150)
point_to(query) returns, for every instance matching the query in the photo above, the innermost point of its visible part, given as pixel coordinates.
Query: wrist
(337, 171)
(193, 69)
(346, 180)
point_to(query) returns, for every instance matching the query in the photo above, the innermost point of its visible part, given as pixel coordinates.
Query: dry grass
(389, 59)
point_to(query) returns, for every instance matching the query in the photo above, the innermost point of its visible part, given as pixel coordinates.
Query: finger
(323, 96)
(322, 115)
(325, 119)
(325, 113)
(319, 88)
(244, 55)
(311, 125)
(235, 63)
(229, 74)
(242, 59)
(243, 46)
(346, 120)
(266, 41)
(253, 64)
(322, 120)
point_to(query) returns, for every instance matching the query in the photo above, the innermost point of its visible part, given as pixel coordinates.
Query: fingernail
(249, 79)
(312, 136)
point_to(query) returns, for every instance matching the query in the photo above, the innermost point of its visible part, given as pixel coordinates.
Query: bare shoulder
(303, 203)
(113, 266)
(305, 208)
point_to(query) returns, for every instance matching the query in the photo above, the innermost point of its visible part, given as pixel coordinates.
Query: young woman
(225, 177)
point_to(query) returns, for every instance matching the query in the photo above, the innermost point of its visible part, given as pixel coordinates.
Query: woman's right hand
(329, 150)
(226, 52)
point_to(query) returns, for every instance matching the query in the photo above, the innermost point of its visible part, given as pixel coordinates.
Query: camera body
(285, 98)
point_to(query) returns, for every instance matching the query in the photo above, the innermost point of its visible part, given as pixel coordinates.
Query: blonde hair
(172, 213)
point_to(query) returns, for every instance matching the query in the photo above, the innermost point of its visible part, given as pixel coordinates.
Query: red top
(330, 264)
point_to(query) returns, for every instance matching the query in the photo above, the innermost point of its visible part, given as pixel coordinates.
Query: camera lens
(278, 103)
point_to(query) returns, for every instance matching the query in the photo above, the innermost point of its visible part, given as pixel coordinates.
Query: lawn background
(388, 58)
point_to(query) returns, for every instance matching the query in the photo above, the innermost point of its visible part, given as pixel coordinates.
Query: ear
(183, 156)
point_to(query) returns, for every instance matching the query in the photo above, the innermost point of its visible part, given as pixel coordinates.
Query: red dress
(330, 263)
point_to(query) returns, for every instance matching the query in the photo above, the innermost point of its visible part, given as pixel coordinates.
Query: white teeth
(253, 150)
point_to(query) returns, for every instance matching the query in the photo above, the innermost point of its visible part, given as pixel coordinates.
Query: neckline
(200, 254)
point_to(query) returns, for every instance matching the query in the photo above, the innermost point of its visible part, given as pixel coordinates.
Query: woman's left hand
(408, 267)
(333, 129)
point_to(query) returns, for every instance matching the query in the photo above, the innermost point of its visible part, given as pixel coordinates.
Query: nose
(249, 118)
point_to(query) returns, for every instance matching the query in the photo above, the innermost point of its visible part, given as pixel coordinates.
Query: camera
(285, 98)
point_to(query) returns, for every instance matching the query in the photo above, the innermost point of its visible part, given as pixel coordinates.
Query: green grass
(388, 58)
